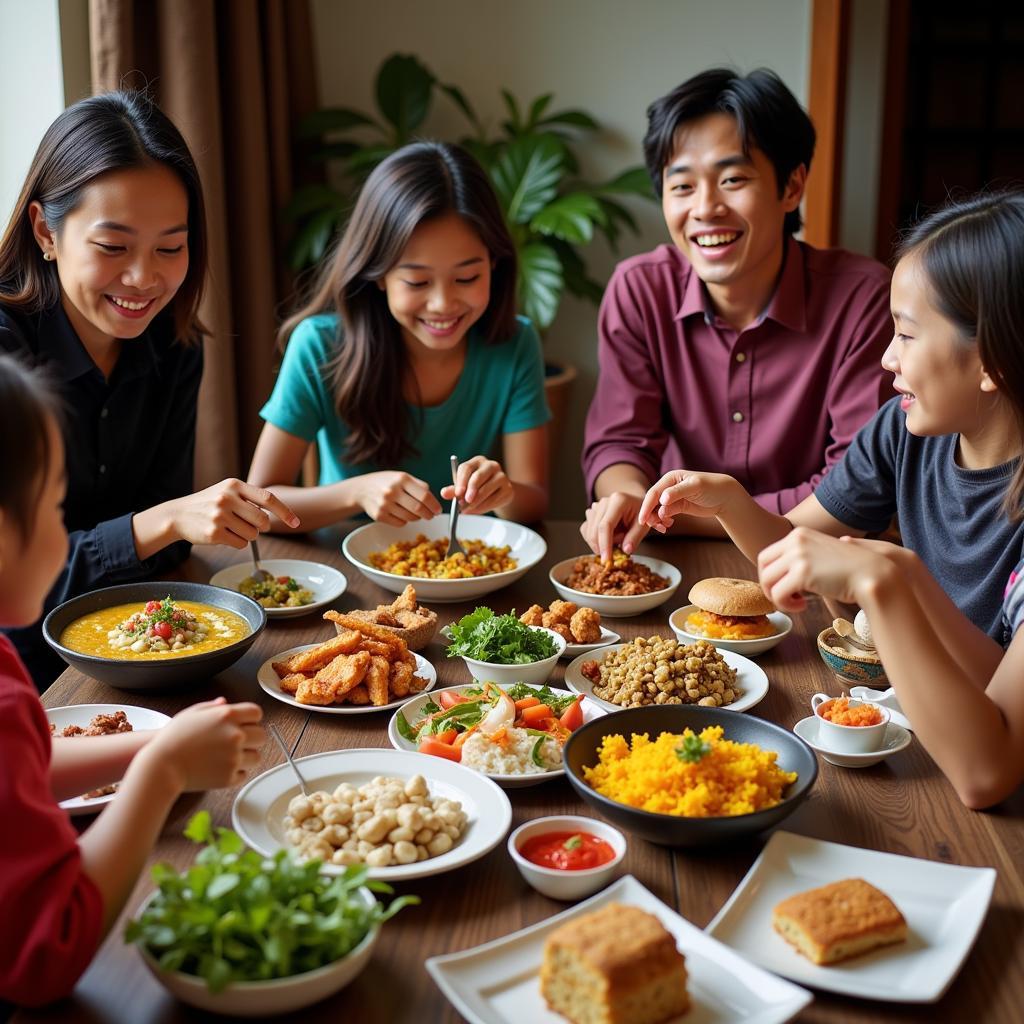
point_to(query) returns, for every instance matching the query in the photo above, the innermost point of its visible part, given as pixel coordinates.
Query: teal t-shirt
(500, 391)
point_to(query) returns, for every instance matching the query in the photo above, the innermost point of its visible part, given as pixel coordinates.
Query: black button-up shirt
(129, 445)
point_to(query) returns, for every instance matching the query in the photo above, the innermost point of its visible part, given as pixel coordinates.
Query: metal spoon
(454, 547)
(845, 628)
(273, 730)
(258, 574)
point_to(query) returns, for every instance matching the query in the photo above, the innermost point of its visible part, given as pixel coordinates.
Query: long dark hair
(418, 182)
(767, 115)
(27, 405)
(972, 253)
(112, 132)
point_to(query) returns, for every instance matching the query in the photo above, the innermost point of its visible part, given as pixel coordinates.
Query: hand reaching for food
(612, 522)
(681, 492)
(394, 497)
(481, 485)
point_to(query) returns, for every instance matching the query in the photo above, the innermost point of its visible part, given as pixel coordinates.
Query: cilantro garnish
(573, 843)
(692, 749)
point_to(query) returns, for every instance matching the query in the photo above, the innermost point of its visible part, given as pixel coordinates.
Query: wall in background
(609, 59)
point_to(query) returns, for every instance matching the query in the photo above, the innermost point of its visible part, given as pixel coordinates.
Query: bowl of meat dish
(498, 552)
(154, 636)
(732, 614)
(681, 775)
(625, 586)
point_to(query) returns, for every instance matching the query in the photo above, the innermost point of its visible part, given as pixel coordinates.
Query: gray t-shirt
(950, 516)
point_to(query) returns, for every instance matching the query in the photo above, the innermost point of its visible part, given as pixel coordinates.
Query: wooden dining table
(902, 805)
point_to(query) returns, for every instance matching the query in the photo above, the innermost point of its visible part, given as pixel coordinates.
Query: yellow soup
(88, 635)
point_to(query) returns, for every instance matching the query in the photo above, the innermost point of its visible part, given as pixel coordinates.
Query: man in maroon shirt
(737, 349)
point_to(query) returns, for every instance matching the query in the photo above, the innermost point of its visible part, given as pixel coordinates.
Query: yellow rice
(732, 778)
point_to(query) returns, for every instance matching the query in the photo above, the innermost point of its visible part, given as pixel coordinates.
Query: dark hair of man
(27, 406)
(767, 115)
(115, 131)
(972, 255)
(421, 181)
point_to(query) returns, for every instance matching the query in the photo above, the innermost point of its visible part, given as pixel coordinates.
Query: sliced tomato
(430, 745)
(537, 713)
(447, 699)
(572, 716)
(527, 702)
(448, 736)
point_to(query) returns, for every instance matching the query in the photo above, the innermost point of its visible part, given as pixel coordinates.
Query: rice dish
(513, 755)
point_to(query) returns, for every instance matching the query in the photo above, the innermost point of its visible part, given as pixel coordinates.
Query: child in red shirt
(60, 892)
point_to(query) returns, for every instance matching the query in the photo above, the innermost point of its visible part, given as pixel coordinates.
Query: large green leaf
(577, 280)
(570, 218)
(311, 199)
(540, 283)
(576, 118)
(365, 160)
(515, 125)
(635, 181)
(404, 87)
(526, 176)
(310, 242)
(537, 108)
(616, 216)
(332, 119)
(458, 97)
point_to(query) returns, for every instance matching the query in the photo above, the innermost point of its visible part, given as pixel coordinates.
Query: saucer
(896, 738)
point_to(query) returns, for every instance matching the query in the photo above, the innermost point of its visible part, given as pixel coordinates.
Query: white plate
(527, 548)
(326, 584)
(499, 982)
(270, 683)
(944, 905)
(81, 715)
(748, 648)
(750, 678)
(608, 636)
(896, 738)
(609, 605)
(259, 808)
(412, 709)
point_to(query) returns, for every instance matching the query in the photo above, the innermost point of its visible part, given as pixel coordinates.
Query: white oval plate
(750, 678)
(412, 709)
(259, 809)
(608, 636)
(617, 607)
(749, 648)
(81, 715)
(270, 683)
(896, 738)
(326, 583)
(527, 548)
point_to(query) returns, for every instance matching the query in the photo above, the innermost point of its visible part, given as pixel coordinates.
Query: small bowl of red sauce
(567, 856)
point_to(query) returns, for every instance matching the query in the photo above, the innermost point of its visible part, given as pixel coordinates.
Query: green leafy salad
(498, 639)
(238, 916)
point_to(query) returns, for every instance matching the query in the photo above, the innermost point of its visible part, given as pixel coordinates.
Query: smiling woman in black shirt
(101, 271)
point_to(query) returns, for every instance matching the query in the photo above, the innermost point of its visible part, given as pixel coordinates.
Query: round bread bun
(725, 596)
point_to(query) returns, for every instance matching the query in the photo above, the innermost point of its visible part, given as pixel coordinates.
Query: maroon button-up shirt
(774, 405)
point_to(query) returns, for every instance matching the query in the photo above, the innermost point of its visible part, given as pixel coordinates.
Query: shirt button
(737, 417)
(103, 413)
(103, 469)
(741, 357)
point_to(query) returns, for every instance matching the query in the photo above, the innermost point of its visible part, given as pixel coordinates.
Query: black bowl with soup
(80, 632)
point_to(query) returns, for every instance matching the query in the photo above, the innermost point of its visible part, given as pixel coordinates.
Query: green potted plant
(551, 212)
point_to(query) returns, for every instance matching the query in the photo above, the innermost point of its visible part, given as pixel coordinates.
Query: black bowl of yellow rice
(689, 776)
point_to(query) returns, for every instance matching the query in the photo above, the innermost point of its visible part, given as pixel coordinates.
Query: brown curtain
(234, 76)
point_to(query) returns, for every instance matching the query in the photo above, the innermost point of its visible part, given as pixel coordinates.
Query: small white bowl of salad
(513, 732)
(501, 649)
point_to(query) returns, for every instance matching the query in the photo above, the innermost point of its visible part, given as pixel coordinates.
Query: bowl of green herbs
(251, 936)
(501, 649)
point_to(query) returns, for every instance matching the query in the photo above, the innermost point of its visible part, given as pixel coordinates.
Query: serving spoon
(845, 628)
(273, 730)
(454, 547)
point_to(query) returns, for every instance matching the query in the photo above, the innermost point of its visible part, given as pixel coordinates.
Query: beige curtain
(235, 76)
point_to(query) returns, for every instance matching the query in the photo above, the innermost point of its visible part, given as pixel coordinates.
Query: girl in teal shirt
(408, 352)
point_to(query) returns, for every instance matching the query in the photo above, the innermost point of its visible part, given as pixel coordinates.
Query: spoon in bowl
(273, 730)
(258, 575)
(845, 628)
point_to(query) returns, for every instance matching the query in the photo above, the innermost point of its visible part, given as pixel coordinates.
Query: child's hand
(612, 520)
(684, 493)
(395, 498)
(480, 485)
(208, 745)
(807, 560)
(230, 512)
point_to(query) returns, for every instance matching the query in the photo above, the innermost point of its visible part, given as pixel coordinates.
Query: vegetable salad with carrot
(499, 716)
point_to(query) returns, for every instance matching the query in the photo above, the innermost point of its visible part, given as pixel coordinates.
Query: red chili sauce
(567, 851)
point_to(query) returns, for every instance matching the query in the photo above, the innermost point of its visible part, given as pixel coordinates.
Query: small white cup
(849, 739)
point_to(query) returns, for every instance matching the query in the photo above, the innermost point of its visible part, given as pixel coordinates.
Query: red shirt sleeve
(51, 913)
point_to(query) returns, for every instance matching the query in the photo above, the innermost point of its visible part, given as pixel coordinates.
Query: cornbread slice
(617, 965)
(838, 921)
